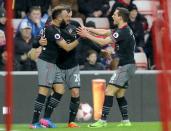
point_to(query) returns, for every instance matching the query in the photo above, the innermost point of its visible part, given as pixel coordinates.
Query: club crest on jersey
(70, 31)
(115, 35)
(57, 36)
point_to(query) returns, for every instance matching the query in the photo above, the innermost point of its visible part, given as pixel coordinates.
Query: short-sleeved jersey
(67, 60)
(125, 45)
(53, 35)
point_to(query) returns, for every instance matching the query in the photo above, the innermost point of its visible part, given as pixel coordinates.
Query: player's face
(115, 17)
(66, 17)
(63, 17)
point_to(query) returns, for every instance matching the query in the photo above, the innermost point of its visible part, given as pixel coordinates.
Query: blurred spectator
(22, 7)
(137, 28)
(2, 3)
(92, 63)
(109, 60)
(148, 49)
(23, 44)
(34, 20)
(93, 8)
(44, 4)
(85, 45)
(2, 49)
(2, 19)
(3, 53)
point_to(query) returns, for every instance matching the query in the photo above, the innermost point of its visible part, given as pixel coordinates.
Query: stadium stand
(145, 6)
(141, 61)
(15, 23)
(101, 23)
(79, 20)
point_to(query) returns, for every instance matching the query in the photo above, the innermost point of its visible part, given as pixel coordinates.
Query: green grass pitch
(136, 126)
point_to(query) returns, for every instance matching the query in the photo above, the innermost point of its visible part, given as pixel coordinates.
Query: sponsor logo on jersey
(57, 36)
(115, 35)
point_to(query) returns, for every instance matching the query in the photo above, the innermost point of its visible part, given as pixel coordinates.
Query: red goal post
(162, 47)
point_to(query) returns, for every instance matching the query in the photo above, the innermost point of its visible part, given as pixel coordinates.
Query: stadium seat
(15, 23)
(101, 23)
(79, 20)
(146, 6)
(141, 61)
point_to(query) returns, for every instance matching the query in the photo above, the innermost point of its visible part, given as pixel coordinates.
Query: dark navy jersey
(124, 45)
(67, 60)
(50, 51)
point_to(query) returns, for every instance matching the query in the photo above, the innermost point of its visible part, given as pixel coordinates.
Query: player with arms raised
(124, 40)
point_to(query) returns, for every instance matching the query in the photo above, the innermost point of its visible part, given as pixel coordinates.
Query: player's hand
(82, 32)
(43, 41)
(24, 57)
(34, 53)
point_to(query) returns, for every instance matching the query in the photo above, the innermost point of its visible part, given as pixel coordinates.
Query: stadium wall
(142, 96)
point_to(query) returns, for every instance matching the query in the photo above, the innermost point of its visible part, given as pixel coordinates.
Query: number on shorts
(112, 78)
(77, 77)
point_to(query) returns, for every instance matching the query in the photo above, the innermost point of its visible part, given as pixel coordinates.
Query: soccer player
(47, 70)
(67, 64)
(125, 43)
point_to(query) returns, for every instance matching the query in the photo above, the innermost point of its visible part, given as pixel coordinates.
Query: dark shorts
(122, 75)
(70, 77)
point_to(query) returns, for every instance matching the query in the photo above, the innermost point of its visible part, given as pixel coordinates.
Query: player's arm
(101, 41)
(67, 47)
(99, 31)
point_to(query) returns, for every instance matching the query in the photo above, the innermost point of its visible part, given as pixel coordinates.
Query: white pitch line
(4, 129)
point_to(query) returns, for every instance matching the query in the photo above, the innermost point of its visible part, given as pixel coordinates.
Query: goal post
(9, 66)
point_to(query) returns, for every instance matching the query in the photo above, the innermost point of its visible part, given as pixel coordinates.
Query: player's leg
(123, 107)
(73, 82)
(73, 107)
(45, 81)
(127, 72)
(53, 100)
(116, 82)
(110, 91)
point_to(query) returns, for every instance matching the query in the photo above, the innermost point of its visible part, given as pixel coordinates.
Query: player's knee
(120, 94)
(59, 88)
(110, 90)
(108, 93)
(43, 90)
(75, 92)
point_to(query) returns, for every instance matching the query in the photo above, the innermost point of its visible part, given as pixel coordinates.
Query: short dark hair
(67, 7)
(34, 8)
(89, 52)
(57, 11)
(124, 13)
